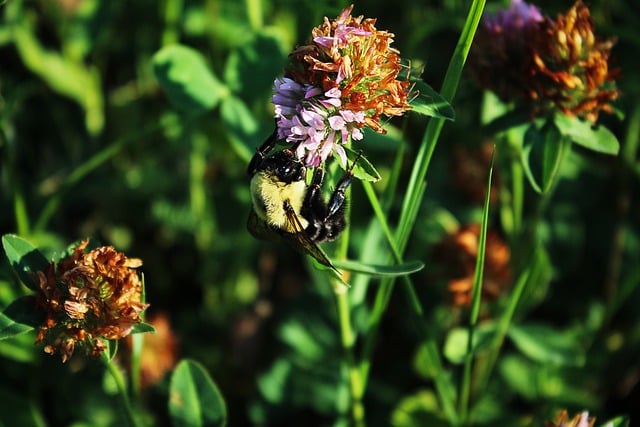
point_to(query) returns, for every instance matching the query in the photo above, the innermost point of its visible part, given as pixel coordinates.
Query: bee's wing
(300, 239)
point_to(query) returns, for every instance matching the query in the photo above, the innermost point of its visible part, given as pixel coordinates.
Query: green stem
(172, 13)
(347, 339)
(502, 328)
(412, 202)
(347, 336)
(122, 391)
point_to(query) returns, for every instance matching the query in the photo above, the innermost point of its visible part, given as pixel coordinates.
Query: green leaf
(10, 328)
(583, 133)
(419, 409)
(379, 270)
(363, 170)
(456, 343)
(554, 151)
(24, 258)
(242, 128)
(194, 399)
(508, 120)
(548, 146)
(428, 102)
(246, 71)
(140, 328)
(23, 311)
(617, 422)
(189, 84)
(547, 345)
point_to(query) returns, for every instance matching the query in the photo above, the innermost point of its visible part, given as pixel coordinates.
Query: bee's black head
(285, 166)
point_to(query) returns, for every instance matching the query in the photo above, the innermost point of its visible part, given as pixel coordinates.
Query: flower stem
(347, 336)
(347, 340)
(122, 390)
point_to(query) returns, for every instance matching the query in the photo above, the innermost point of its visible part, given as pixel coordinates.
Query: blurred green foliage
(100, 137)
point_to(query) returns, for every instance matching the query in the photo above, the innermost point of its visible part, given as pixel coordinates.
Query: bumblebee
(284, 205)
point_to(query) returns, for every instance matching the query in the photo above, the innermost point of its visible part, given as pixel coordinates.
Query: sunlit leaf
(583, 133)
(379, 270)
(456, 343)
(24, 258)
(363, 169)
(194, 399)
(428, 102)
(186, 79)
(617, 422)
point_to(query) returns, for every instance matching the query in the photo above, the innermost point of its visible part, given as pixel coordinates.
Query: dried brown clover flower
(88, 298)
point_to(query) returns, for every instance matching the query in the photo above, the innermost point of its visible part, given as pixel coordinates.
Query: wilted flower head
(580, 420)
(87, 298)
(458, 252)
(571, 66)
(527, 58)
(346, 78)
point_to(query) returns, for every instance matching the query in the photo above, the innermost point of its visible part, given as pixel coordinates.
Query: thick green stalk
(414, 194)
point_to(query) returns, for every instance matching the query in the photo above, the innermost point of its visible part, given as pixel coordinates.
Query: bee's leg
(313, 198)
(337, 200)
(268, 145)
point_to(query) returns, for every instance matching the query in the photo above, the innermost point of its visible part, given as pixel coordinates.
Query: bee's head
(285, 166)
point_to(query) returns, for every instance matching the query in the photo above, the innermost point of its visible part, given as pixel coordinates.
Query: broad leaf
(430, 103)
(545, 344)
(189, 84)
(9, 328)
(545, 145)
(379, 270)
(247, 73)
(583, 133)
(194, 399)
(24, 258)
(243, 130)
(456, 343)
(363, 170)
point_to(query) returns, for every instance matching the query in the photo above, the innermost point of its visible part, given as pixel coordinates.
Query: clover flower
(88, 298)
(548, 65)
(580, 420)
(314, 121)
(346, 78)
